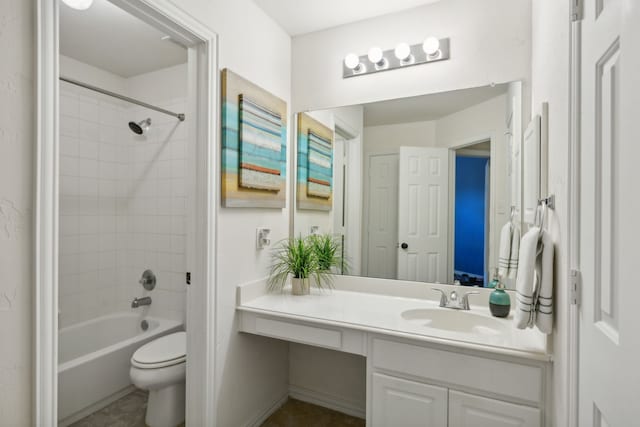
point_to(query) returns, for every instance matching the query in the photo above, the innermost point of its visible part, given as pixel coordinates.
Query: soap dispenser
(496, 279)
(499, 301)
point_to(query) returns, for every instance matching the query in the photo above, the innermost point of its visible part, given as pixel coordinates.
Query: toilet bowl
(160, 367)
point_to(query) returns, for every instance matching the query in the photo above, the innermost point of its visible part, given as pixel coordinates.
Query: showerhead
(140, 127)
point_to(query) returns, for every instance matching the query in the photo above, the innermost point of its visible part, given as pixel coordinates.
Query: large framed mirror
(416, 188)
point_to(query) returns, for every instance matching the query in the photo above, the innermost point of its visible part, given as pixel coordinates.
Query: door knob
(404, 245)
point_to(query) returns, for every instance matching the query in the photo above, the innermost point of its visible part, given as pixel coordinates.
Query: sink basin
(455, 321)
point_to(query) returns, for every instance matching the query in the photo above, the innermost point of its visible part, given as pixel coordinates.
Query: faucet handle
(443, 297)
(465, 299)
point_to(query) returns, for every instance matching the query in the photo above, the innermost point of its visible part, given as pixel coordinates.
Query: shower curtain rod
(179, 116)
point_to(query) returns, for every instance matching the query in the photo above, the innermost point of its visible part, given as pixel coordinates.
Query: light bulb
(431, 46)
(375, 55)
(78, 4)
(403, 51)
(351, 61)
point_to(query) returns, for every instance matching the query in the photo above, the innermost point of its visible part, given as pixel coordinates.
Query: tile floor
(129, 411)
(295, 413)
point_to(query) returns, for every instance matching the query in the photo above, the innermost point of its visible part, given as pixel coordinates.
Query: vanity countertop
(382, 314)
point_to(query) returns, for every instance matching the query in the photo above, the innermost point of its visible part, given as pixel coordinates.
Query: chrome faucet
(454, 301)
(137, 302)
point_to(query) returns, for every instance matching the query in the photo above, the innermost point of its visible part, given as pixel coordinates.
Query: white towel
(509, 252)
(504, 256)
(544, 273)
(525, 281)
(534, 282)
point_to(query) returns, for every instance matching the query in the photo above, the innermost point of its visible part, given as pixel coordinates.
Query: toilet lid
(164, 351)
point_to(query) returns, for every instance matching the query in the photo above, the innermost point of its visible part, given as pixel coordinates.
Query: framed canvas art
(254, 145)
(315, 164)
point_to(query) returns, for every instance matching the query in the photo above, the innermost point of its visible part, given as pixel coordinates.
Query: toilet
(160, 367)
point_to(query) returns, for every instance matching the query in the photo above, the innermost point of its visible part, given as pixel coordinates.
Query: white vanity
(426, 365)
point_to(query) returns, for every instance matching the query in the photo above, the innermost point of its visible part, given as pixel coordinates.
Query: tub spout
(137, 302)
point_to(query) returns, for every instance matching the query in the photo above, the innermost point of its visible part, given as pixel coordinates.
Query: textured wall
(17, 142)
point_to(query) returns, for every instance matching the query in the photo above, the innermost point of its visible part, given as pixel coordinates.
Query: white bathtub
(94, 360)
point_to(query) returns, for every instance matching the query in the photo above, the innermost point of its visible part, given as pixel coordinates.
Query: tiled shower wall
(122, 201)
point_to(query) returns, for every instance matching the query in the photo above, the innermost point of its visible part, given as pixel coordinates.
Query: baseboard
(95, 407)
(273, 407)
(327, 401)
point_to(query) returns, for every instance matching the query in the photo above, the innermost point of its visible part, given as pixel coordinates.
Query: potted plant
(296, 258)
(328, 249)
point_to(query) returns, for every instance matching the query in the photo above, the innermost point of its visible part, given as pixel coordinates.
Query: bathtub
(94, 360)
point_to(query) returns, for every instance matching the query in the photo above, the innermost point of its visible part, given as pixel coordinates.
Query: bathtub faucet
(137, 302)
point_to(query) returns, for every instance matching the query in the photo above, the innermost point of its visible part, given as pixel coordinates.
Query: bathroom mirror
(414, 188)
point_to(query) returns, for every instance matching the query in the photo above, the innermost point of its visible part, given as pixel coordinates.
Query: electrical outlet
(262, 238)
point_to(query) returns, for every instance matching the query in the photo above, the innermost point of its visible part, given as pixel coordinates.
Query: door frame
(572, 328)
(202, 105)
(467, 142)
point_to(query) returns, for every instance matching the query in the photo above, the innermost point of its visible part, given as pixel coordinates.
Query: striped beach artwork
(254, 145)
(260, 146)
(319, 166)
(314, 165)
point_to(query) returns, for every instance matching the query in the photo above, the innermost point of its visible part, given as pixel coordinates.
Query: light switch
(262, 238)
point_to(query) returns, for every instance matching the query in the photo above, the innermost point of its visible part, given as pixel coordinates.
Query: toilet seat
(162, 352)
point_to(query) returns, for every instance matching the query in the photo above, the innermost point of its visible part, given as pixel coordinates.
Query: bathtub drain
(144, 325)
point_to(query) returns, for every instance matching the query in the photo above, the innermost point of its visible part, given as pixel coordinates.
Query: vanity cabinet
(467, 410)
(400, 402)
(418, 385)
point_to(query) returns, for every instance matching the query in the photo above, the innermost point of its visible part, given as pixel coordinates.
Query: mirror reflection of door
(423, 212)
(383, 216)
(472, 199)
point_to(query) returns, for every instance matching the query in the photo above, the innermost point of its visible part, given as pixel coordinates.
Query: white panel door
(609, 376)
(399, 402)
(466, 410)
(382, 260)
(423, 214)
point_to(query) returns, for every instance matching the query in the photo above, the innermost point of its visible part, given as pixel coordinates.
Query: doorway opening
(472, 200)
(110, 127)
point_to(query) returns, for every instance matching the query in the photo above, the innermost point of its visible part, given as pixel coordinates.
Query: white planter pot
(300, 286)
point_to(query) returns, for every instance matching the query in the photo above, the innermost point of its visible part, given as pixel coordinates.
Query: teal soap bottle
(499, 302)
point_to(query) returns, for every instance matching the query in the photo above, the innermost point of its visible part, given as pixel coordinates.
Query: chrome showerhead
(140, 127)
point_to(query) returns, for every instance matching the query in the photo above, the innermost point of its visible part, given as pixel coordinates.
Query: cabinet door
(466, 410)
(399, 402)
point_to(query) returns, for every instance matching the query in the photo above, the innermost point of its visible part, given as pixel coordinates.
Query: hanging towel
(515, 253)
(525, 281)
(504, 256)
(544, 275)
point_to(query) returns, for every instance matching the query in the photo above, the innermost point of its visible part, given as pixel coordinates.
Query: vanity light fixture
(78, 4)
(432, 49)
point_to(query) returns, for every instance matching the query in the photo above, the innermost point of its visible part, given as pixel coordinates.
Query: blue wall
(469, 228)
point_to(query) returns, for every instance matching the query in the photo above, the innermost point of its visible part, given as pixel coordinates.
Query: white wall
(327, 374)
(550, 83)
(251, 372)
(490, 42)
(17, 180)
(387, 139)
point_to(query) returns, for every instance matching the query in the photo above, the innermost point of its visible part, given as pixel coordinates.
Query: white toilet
(160, 367)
